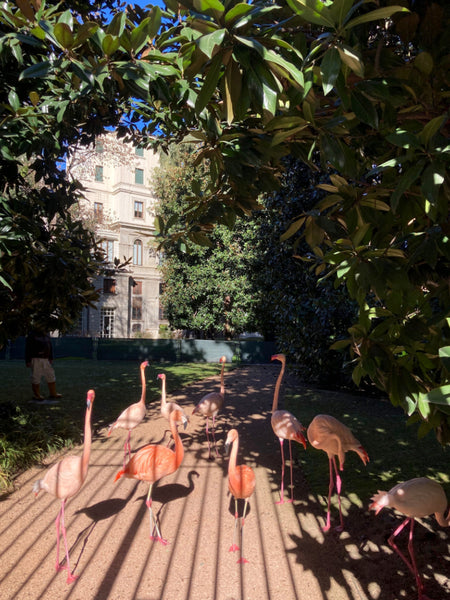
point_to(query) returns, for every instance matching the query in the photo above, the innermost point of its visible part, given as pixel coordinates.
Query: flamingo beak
(227, 448)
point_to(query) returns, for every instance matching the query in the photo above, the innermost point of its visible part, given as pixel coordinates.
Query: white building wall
(128, 211)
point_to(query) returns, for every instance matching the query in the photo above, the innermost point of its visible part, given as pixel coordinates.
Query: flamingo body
(64, 479)
(132, 416)
(286, 427)
(333, 437)
(211, 404)
(241, 483)
(415, 498)
(153, 462)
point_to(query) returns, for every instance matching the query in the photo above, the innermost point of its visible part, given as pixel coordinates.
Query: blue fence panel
(245, 351)
(207, 350)
(76, 347)
(140, 349)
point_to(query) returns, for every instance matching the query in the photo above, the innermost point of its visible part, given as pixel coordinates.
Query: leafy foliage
(304, 316)
(207, 288)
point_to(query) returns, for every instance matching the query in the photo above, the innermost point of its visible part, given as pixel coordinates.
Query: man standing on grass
(39, 356)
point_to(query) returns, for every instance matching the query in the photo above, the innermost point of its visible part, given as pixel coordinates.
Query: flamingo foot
(233, 548)
(71, 577)
(282, 501)
(339, 528)
(157, 538)
(242, 561)
(326, 527)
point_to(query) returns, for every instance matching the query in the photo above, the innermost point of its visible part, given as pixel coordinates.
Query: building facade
(120, 203)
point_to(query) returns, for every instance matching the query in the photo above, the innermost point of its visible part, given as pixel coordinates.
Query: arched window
(137, 252)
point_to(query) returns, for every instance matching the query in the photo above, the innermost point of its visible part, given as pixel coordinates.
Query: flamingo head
(162, 376)
(231, 437)
(90, 398)
(144, 364)
(223, 359)
(177, 415)
(280, 357)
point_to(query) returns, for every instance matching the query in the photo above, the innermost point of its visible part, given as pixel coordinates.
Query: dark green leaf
(330, 68)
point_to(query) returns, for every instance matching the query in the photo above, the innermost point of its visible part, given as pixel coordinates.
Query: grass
(396, 453)
(28, 431)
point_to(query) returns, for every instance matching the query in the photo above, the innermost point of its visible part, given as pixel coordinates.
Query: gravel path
(290, 558)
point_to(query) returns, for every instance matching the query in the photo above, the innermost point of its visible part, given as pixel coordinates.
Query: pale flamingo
(169, 407)
(131, 416)
(333, 437)
(153, 462)
(241, 483)
(286, 427)
(415, 498)
(64, 479)
(210, 405)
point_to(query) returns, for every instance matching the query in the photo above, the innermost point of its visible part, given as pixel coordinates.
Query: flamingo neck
(87, 442)
(144, 386)
(179, 450)
(233, 456)
(277, 388)
(222, 380)
(163, 393)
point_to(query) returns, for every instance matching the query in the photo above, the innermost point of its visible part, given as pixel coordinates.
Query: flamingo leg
(234, 546)
(338, 489)
(127, 449)
(214, 435)
(60, 525)
(281, 500)
(207, 437)
(412, 566)
(153, 522)
(243, 560)
(291, 469)
(330, 491)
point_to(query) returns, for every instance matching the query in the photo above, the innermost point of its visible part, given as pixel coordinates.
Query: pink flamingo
(286, 427)
(415, 498)
(169, 407)
(64, 479)
(131, 416)
(241, 483)
(333, 437)
(210, 405)
(153, 462)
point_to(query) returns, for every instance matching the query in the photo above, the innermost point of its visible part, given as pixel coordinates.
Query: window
(138, 209)
(107, 323)
(109, 286)
(99, 147)
(136, 328)
(108, 248)
(98, 173)
(137, 289)
(137, 253)
(98, 212)
(161, 307)
(139, 151)
(136, 308)
(139, 176)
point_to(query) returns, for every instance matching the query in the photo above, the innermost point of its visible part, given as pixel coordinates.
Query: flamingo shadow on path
(290, 557)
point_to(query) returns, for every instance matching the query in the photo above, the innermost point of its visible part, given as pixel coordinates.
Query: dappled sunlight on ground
(290, 557)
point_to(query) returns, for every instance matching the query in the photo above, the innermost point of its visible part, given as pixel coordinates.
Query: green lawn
(28, 431)
(396, 453)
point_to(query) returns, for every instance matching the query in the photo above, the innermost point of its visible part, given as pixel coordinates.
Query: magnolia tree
(363, 84)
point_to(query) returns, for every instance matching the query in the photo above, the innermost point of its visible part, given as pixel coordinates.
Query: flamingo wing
(241, 482)
(151, 463)
(65, 478)
(130, 417)
(287, 427)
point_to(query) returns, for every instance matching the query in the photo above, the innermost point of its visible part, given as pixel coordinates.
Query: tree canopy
(363, 84)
